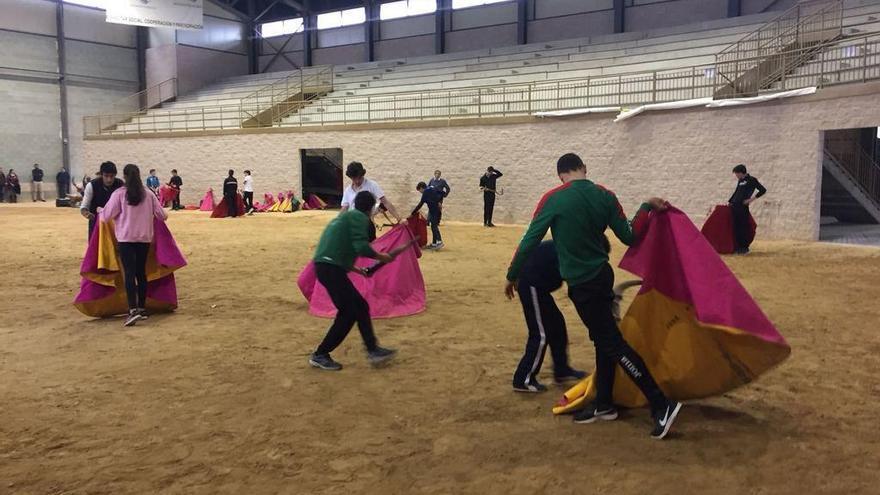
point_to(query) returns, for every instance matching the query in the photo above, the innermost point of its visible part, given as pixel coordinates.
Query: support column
(619, 16)
(141, 35)
(308, 32)
(522, 25)
(443, 6)
(372, 11)
(734, 8)
(62, 84)
(253, 42)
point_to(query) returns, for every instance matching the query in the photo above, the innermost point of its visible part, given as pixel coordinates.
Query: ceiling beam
(227, 8)
(297, 5)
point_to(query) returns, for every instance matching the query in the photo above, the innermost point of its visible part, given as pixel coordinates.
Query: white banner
(177, 14)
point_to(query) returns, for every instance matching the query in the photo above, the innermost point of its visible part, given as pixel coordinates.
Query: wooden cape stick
(370, 270)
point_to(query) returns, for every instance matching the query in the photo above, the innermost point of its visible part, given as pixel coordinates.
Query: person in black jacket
(489, 187)
(98, 192)
(62, 181)
(37, 184)
(739, 206)
(176, 183)
(539, 278)
(433, 198)
(230, 193)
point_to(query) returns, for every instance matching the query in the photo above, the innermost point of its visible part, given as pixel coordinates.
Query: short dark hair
(490, 169)
(569, 162)
(152, 170)
(173, 170)
(420, 186)
(355, 169)
(740, 169)
(108, 168)
(364, 201)
(247, 172)
(231, 172)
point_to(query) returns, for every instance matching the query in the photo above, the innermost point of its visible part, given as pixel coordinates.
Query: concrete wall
(101, 68)
(198, 58)
(684, 155)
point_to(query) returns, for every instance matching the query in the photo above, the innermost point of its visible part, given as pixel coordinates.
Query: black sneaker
(133, 317)
(532, 388)
(663, 420)
(594, 412)
(380, 355)
(572, 375)
(324, 362)
(143, 313)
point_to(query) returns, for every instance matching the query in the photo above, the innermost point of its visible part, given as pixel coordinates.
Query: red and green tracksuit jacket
(577, 214)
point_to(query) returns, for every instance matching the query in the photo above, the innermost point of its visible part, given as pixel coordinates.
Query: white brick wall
(684, 155)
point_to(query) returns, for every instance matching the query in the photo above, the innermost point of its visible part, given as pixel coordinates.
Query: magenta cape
(396, 290)
(207, 203)
(102, 289)
(699, 331)
(718, 229)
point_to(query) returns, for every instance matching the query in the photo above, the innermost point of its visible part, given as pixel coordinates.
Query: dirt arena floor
(219, 398)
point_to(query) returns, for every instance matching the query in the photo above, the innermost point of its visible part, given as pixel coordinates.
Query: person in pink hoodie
(133, 211)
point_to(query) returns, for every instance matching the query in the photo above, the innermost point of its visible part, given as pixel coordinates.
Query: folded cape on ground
(698, 330)
(102, 289)
(718, 229)
(222, 208)
(396, 290)
(207, 203)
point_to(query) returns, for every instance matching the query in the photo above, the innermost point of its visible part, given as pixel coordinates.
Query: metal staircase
(859, 174)
(268, 105)
(767, 54)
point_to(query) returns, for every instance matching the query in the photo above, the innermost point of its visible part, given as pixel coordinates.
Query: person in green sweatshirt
(344, 239)
(577, 214)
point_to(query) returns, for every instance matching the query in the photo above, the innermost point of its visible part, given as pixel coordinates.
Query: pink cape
(398, 289)
(718, 229)
(102, 289)
(698, 330)
(207, 203)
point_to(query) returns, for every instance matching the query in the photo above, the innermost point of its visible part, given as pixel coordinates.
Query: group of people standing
(230, 193)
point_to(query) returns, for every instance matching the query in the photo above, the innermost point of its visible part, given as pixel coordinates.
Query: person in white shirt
(359, 182)
(248, 189)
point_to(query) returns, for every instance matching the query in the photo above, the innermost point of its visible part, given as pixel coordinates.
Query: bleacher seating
(500, 74)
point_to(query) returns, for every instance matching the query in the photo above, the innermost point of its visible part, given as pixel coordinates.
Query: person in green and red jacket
(577, 213)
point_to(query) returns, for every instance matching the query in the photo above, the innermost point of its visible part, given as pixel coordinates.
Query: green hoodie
(577, 214)
(344, 239)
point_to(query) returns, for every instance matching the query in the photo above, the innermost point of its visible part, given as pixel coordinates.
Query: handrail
(840, 64)
(862, 169)
(795, 11)
(272, 102)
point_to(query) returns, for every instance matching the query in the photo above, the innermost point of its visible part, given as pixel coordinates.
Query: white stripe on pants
(543, 343)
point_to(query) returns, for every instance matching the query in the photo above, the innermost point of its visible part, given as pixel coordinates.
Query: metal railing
(848, 61)
(272, 102)
(862, 169)
(807, 24)
(129, 107)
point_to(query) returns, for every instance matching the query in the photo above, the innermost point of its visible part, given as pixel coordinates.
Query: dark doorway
(322, 174)
(850, 207)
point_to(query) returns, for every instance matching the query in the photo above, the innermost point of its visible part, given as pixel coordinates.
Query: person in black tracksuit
(539, 278)
(230, 193)
(433, 198)
(739, 207)
(488, 184)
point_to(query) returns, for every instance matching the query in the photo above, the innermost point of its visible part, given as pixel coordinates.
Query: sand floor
(218, 397)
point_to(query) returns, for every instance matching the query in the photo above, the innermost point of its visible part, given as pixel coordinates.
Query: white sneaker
(133, 317)
(438, 245)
